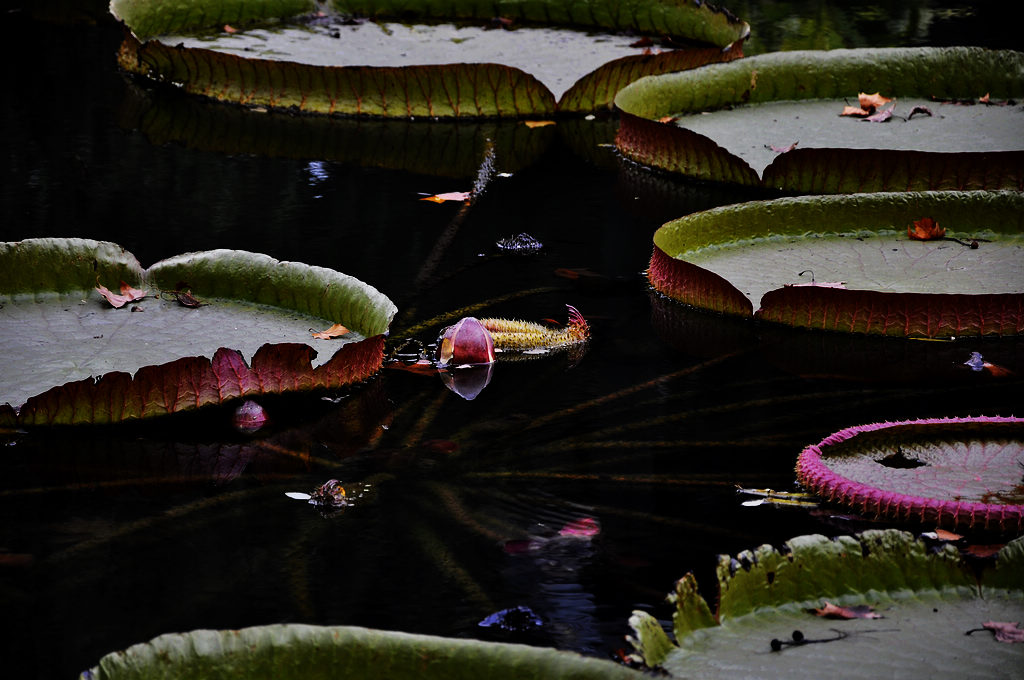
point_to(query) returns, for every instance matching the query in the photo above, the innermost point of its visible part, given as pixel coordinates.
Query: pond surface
(581, 487)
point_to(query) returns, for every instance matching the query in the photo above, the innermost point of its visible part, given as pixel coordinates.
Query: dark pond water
(110, 537)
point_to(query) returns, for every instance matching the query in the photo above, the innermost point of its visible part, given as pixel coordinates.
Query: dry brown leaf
(335, 331)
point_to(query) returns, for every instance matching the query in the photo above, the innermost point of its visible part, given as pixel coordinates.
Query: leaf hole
(900, 460)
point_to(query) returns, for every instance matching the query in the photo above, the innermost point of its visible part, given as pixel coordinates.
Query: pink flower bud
(249, 417)
(465, 343)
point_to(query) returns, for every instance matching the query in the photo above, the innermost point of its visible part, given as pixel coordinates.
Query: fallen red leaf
(449, 196)
(832, 611)
(127, 294)
(1005, 631)
(925, 229)
(335, 331)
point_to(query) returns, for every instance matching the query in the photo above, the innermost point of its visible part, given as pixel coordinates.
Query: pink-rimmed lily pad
(212, 327)
(846, 263)
(733, 122)
(959, 473)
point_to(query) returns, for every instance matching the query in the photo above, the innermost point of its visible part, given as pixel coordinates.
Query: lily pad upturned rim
(456, 90)
(907, 314)
(814, 474)
(681, 19)
(768, 591)
(944, 72)
(304, 652)
(74, 265)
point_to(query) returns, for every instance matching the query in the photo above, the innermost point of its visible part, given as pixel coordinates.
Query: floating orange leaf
(925, 229)
(127, 294)
(335, 331)
(871, 101)
(538, 123)
(450, 196)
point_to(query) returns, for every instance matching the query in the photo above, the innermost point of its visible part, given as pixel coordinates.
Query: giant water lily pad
(962, 473)
(396, 70)
(729, 122)
(302, 652)
(70, 357)
(846, 263)
(928, 600)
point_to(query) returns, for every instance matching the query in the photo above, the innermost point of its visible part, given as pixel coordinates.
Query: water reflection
(112, 536)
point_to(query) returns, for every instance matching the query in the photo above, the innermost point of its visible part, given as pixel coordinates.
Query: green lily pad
(410, 71)
(341, 653)
(961, 473)
(928, 600)
(251, 333)
(846, 263)
(726, 119)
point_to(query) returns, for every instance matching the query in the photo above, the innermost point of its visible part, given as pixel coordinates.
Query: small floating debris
(520, 243)
(513, 619)
(772, 497)
(332, 496)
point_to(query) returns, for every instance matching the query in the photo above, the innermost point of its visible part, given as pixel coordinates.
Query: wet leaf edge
(301, 652)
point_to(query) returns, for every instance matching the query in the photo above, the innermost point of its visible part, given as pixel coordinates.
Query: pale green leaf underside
(920, 637)
(750, 131)
(301, 652)
(882, 261)
(53, 339)
(929, 598)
